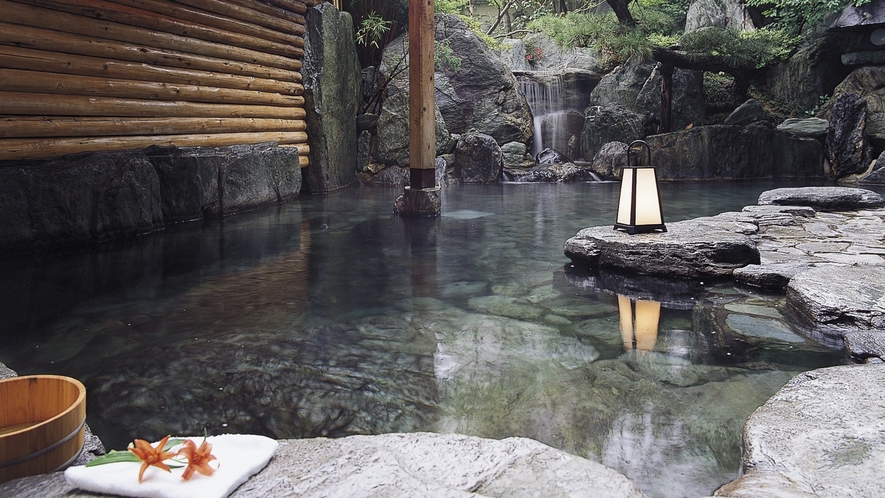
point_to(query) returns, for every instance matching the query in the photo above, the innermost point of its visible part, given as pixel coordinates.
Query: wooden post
(421, 197)
(422, 125)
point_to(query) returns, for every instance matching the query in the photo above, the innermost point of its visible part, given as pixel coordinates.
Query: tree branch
(501, 14)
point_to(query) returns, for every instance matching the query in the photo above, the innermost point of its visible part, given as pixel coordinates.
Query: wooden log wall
(99, 75)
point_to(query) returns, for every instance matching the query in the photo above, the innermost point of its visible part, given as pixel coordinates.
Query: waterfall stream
(557, 115)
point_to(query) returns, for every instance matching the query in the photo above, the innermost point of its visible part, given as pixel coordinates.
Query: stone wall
(107, 195)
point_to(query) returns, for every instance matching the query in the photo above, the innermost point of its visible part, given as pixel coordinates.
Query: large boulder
(748, 112)
(610, 123)
(196, 182)
(726, 14)
(547, 55)
(868, 82)
(610, 160)
(108, 195)
(77, 199)
(478, 159)
(622, 85)
(687, 106)
(636, 85)
(847, 150)
(820, 435)
(812, 72)
(513, 53)
(876, 174)
(332, 94)
(478, 92)
(393, 131)
(756, 151)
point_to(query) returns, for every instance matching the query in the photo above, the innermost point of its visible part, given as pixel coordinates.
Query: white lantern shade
(639, 204)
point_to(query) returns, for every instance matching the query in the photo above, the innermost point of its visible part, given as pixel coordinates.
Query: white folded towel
(239, 456)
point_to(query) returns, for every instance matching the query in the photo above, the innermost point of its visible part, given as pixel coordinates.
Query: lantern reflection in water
(639, 323)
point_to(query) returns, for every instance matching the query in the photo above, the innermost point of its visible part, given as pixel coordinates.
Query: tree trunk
(666, 97)
(622, 11)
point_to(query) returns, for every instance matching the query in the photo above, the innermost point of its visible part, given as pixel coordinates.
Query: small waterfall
(554, 121)
(544, 97)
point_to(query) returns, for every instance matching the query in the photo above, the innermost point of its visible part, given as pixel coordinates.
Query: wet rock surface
(839, 299)
(710, 248)
(830, 264)
(820, 435)
(399, 465)
(823, 198)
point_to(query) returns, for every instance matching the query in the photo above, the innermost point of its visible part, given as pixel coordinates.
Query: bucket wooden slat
(42, 424)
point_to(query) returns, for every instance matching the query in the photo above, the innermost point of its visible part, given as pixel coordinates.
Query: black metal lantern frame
(639, 203)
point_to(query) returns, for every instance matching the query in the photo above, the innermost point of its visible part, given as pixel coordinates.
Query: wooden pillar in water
(422, 196)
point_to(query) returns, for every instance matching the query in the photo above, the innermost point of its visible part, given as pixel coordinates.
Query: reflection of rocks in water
(369, 377)
(750, 329)
(649, 415)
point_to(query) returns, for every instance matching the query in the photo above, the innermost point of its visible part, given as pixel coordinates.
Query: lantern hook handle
(642, 144)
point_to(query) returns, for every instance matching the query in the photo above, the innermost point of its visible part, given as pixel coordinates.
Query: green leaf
(114, 457)
(173, 442)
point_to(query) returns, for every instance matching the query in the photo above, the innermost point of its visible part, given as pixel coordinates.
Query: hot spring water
(329, 316)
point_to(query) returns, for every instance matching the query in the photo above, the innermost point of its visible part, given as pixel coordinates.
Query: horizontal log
(66, 22)
(14, 80)
(125, 16)
(303, 151)
(274, 11)
(44, 104)
(38, 60)
(296, 6)
(248, 14)
(63, 126)
(24, 148)
(55, 42)
(178, 11)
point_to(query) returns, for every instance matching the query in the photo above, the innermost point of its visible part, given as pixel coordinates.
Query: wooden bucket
(42, 423)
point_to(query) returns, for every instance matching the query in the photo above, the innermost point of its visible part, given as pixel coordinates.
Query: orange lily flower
(151, 455)
(197, 458)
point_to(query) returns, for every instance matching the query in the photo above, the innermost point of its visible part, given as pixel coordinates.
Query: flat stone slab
(769, 276)
(822, 435)
(866, 345)
(404, 465)
(705, 247)
(823, 198)
(839, 299)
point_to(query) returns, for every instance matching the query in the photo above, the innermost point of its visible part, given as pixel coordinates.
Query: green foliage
(758, 47)
(822, 100)
(603, 32)
(718, 97)
(376, 23)
(792, 15)
(372, 30)
(449, 6)
(445, 57)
